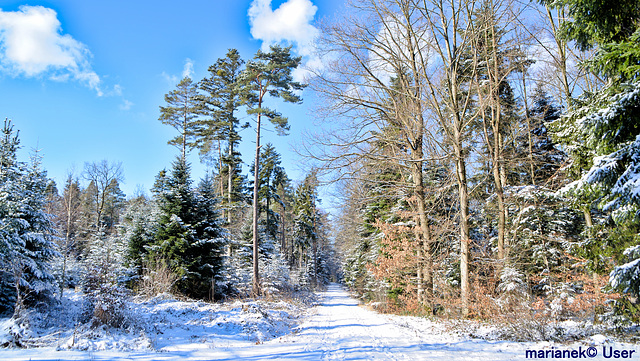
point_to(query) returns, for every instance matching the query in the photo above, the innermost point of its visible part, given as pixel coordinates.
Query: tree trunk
(256, 272)
(425, 278)
(465, 241)
(230, 183)
(501, 212)
(528, 119)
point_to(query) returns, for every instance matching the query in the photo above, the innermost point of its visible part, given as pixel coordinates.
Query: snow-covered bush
(276, 277)
(157, 278)
(104, 282)
(513, 288)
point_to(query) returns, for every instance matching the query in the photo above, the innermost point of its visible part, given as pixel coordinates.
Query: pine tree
(268, 74)
(180, 113)
(221, 123)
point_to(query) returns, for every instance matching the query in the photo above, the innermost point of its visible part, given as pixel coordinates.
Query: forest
(485, 155)
(226, 236)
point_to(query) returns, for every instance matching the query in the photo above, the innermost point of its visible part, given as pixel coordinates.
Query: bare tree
(450, 101)
(499, 54)
(401, 62)
(103, 175)
(71, 209)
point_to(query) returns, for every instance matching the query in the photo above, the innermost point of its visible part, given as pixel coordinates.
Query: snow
(338, 328)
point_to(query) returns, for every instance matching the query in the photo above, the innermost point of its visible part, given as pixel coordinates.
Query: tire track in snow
(342, 329)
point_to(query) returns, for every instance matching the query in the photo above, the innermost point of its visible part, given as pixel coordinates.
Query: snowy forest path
(340, 329)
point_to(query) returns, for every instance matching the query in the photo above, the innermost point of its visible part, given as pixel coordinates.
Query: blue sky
(83, 80)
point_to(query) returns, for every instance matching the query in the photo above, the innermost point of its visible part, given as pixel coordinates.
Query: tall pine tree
(269, 74)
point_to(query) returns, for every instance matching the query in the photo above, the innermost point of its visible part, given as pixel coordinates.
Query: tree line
(226, 236)
(486, 152)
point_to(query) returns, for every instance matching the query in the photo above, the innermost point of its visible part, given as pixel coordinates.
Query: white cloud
(309, 69)
(188, 68)
(172, 80)
(126, 105)
(117, 90)
(187, 71)
(31, 45)
(289, 23)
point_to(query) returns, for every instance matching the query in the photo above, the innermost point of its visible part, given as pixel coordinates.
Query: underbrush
(152, 323)
(508, 309)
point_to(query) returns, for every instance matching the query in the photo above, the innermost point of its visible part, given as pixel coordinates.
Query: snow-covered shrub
(108, 299)
(276, 277)
(104, 282)
(157, 278)
(513, 288)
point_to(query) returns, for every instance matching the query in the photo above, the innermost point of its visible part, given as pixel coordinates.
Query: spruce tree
(26, 232)
(271, 176)
(139, 226)
(189, 238)
(175, 224)
(306, 225)
(208, 251)
(602, 133)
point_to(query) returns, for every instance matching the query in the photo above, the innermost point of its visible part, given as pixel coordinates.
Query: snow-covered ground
(336, 329)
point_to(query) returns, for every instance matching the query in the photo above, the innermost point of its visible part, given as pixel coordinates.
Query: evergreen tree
(545, 156)
(139, 226)
(188, 238)
(602, 134)
(271, 176)
(221, 123)
(306, 225)
(181, 111)
(26, 232)
(268, 74)
(175, 232)
(207, 252)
